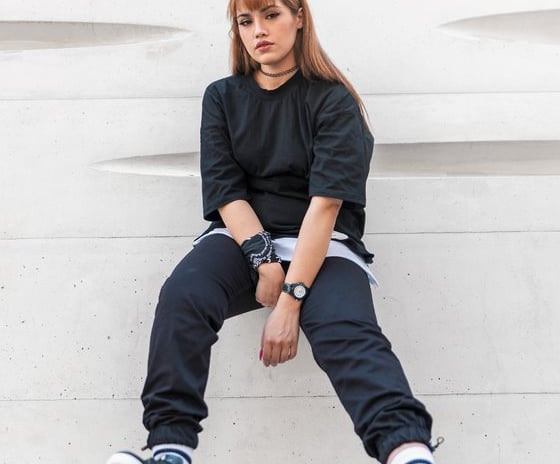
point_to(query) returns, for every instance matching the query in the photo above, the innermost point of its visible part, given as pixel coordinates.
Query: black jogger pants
(213, 283)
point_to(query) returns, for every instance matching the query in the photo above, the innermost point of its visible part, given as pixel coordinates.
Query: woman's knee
(190, 298)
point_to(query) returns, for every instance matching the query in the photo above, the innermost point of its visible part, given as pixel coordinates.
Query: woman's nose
(260, 29)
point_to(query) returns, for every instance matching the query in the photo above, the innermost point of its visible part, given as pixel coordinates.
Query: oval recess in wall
(511, 158)
(170, 165)
(542, 27)
(33, 35)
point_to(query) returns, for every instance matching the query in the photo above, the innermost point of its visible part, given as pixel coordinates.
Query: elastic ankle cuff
(175, 433)
(400, 437)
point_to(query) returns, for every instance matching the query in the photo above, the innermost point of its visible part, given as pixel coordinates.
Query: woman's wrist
(266, 268)
(259, 250)
(288, 302)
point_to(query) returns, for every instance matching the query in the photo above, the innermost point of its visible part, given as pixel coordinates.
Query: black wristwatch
(298, 290)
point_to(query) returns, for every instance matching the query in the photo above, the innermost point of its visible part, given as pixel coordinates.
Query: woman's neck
(268, 82)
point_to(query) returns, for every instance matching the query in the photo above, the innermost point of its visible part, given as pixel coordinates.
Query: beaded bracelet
(258, 249)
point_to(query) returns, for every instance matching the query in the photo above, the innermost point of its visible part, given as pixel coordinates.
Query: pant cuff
(400, 437)
(175, 433)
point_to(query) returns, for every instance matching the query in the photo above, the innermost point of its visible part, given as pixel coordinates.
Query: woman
(285, 153)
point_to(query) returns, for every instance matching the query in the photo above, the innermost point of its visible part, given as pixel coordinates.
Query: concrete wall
(99, 198)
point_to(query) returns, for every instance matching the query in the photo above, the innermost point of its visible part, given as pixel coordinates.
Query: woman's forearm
(241, 220)
(313, 240)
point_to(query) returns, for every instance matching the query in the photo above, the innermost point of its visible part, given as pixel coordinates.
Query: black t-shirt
(278, 148)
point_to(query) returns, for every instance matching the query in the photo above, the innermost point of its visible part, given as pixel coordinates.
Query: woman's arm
(242, 223)
(313, 241)
(241, 220)
(281, 332)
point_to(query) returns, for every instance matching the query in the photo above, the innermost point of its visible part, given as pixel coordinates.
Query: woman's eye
(245, 22)
(272, 15)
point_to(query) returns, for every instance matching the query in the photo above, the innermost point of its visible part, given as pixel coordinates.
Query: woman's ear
(299, 16)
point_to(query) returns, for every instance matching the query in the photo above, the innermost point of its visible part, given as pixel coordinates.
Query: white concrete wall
(463, 215)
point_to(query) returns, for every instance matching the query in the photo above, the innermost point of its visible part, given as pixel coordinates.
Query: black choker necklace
(280, 74)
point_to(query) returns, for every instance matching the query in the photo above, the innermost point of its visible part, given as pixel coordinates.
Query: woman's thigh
(215, 275)
(341, 292)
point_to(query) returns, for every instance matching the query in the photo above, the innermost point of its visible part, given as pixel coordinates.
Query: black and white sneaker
(125, 457)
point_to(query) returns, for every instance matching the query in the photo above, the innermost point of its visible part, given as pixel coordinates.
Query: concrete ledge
(467, 313)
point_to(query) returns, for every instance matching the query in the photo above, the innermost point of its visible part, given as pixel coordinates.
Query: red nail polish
(260, 355)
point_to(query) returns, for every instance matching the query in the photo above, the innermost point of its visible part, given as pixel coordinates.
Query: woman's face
(269, 34)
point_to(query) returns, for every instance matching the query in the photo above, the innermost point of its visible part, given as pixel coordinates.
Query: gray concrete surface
(463, 216)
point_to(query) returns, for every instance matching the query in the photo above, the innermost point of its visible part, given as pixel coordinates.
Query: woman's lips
(263, 46)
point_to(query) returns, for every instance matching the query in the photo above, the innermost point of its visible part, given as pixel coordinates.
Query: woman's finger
(285, 354)
(274, 356)
(293, 350)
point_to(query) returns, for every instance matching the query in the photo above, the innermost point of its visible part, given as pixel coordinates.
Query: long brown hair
(310, 56)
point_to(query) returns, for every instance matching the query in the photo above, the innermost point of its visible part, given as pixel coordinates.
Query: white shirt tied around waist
(285, 247)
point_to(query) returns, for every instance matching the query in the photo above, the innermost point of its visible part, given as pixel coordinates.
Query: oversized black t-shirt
(278, 148)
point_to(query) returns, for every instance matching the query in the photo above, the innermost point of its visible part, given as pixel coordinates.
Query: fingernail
(260, 355)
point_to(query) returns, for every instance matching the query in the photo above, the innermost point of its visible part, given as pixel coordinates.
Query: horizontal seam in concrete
(411, 178)
(548, 393)
(389, 94)
(270, 397)
(109, 99)
(143, 237)
(470, 232)
(484, 92)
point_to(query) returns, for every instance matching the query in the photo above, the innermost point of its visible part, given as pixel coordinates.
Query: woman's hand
(269, 286)
(280, 335)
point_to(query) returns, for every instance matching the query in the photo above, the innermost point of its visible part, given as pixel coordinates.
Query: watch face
(299, 291)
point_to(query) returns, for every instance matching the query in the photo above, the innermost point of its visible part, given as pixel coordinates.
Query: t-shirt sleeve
(223, 180)
(342, 149)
